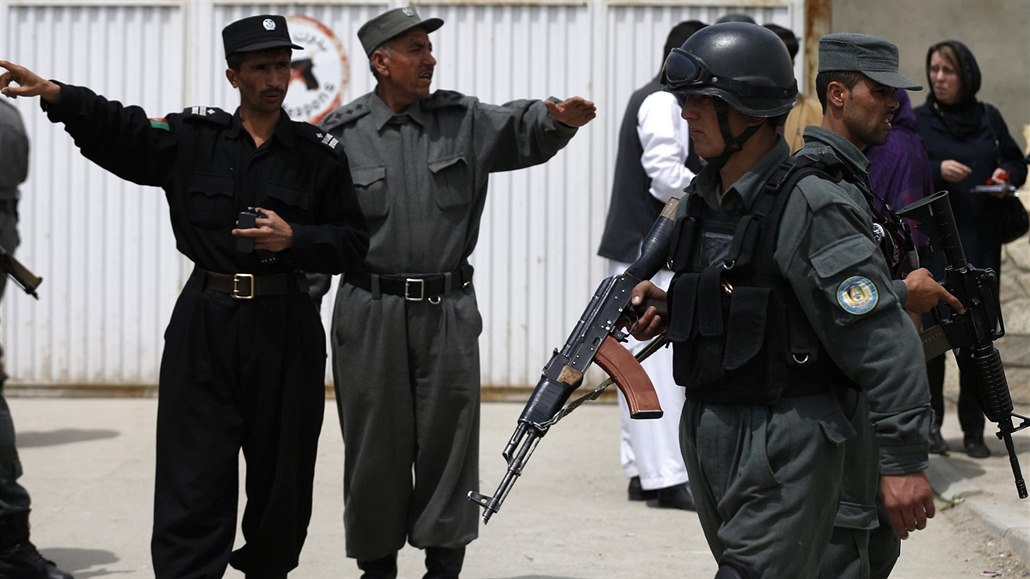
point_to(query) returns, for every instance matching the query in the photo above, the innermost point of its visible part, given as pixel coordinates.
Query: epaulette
(321, 137)
(443, 99)
(209, 114)
(343, 115)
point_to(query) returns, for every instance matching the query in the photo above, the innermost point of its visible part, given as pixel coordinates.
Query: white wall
(106, 251)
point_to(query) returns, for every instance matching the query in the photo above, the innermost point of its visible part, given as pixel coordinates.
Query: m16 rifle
(977, 328)
(19, 273)
(595, 338)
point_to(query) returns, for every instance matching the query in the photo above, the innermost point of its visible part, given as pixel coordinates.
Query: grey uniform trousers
(766, 480)
(864, 545)
(407, 388)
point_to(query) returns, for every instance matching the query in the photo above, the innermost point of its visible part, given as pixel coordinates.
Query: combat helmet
(746, 65)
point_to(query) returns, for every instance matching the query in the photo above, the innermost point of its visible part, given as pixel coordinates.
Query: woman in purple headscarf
(898, 170)
(968, 144)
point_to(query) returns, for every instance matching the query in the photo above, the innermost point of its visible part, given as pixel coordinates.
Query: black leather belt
(413, 288)
(245, 286)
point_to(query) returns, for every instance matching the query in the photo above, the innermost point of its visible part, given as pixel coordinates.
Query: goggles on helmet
(683, 71)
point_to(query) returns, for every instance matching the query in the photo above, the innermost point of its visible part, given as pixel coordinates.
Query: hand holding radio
(262, 229)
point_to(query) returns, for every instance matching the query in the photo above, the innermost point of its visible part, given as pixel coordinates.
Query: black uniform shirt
(210, 169)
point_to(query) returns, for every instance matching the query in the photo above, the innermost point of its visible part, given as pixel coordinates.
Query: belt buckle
(414, 282)
(236, 294)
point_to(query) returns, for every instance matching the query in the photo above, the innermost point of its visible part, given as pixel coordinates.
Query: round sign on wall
(319, 72)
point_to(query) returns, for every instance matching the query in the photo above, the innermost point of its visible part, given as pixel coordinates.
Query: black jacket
(209, 168)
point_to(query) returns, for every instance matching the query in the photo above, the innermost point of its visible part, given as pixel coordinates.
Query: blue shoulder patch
(857, 295)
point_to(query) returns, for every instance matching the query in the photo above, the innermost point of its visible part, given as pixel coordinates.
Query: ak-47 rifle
(596, 337)
(977, 328)
(19, 273)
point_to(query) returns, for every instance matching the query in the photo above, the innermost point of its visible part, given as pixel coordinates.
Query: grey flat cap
(872, 56)
(390, 24)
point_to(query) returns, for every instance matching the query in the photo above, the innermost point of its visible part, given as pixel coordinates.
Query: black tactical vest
(738, 331)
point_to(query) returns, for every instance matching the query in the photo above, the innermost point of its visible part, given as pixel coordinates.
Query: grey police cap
(257, 33)
(872, 56)
(390, 24)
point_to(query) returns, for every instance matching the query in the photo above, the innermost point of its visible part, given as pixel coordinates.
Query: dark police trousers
(236, 374)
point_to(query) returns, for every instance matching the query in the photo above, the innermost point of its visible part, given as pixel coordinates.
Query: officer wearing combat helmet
(780, 299)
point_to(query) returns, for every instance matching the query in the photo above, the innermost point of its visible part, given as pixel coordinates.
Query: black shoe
(444, 563)
(635, 492)
(975, 447)
(24, 562)
(937, 443)
(675, 497)
(382, 568)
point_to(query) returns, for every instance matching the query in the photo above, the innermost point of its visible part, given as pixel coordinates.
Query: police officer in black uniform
(244, 360)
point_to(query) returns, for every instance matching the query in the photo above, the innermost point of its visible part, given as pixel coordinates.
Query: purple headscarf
(899, 171)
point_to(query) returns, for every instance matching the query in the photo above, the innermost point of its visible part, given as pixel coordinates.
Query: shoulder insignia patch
(329, 141)
(210, 114)
(444, 98)
(857, 295)
(344, 115)
(161, 123)
(319, 136)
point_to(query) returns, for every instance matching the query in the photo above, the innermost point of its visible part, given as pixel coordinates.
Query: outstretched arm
(27, 83)
(574, 112)
(119, 138)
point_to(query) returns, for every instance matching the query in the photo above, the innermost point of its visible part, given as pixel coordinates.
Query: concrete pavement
(89, 467)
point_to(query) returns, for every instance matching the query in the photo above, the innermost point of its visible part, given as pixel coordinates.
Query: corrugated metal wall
(105, 249)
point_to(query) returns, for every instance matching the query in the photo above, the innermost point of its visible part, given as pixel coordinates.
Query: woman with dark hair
(968, 144)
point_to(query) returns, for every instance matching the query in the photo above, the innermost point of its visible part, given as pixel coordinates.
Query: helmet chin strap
(733, 143)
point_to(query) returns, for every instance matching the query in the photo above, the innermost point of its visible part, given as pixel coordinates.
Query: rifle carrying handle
(631, 379)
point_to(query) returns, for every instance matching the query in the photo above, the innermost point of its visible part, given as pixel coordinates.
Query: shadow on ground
(38, 438)
(84, 563)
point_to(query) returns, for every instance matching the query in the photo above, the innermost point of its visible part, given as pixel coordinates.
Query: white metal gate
(104, 246)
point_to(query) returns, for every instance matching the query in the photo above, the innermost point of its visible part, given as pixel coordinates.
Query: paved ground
(89, 466)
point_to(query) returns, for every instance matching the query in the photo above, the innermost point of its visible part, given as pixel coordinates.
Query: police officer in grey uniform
(857, 82)
(243, 368)
(783, 317)
(18, 556)
(405, 328)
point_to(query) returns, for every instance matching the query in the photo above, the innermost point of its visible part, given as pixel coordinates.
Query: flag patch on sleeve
(857, 295)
